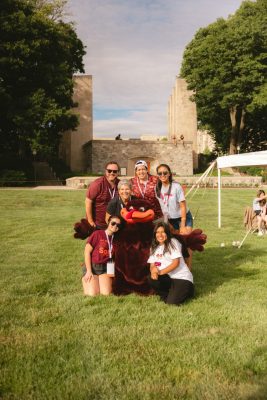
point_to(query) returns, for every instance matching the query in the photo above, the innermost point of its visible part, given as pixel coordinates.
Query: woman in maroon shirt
(97, 277)
(144, 186)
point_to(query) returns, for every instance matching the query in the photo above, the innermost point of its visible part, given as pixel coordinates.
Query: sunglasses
(114, 171)
(165, 173)
(113, 223)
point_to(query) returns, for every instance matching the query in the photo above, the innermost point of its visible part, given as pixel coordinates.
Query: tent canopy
(256, 158)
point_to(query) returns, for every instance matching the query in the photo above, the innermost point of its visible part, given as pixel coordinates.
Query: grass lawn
(58, 344)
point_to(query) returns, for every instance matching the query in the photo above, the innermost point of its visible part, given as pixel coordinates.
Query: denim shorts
(175, 222)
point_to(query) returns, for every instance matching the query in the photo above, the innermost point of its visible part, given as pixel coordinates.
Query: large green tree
(38, 55)
(226, 66)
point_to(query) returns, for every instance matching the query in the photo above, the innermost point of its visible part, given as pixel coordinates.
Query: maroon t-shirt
(101, 192)
(98, 240)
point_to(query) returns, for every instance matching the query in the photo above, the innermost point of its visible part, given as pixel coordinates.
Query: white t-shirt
(169, 203)
(182, 271)
(256, 204)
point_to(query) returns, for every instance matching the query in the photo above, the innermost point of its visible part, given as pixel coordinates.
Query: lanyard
(110, 244)
(166, 196)
(122, 203)
(140, 190)
(112, 192)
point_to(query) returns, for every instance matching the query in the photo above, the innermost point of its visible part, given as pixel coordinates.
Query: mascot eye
(141, 208)
(131, 208)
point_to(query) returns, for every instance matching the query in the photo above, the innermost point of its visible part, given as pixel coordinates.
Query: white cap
(139, 163)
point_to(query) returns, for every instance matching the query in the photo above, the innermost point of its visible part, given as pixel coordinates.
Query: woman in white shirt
(170, 276)
(172, 201)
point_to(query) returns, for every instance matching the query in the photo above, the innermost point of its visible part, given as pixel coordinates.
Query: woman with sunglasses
(99, 267)
(144, 186)
(172, 201)
(117, 203)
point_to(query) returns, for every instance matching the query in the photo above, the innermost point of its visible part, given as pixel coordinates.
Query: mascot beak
(134, 216)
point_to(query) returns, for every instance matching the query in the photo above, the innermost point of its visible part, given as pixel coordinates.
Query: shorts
(175, 222)
(97, 269)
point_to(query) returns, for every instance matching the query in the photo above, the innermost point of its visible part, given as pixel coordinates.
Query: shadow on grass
(216, 265)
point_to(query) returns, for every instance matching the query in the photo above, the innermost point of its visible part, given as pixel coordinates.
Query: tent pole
(202, 177)
(219, 198)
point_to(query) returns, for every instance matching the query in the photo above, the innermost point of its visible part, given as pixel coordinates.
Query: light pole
(238, 149)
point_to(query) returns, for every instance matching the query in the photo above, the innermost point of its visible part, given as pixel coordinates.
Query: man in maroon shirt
(99, 193)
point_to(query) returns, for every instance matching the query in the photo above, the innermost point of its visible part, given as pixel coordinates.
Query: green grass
(58, 344)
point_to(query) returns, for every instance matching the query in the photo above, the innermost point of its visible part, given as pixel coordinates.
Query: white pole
(202, 177)
(219, 198)
(246, 236)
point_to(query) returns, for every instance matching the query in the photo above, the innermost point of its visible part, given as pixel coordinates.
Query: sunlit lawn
(58, 344)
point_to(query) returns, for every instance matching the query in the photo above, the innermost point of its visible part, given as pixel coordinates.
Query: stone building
(182, 117)
(72, 145)
(82, 152)
(127, 152)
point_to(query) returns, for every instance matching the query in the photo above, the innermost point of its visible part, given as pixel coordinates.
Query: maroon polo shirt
(101, 192)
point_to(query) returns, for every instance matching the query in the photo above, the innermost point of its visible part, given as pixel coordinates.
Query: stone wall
(80, 182)
(126, 152)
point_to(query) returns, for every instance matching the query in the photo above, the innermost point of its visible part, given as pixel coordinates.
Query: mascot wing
(83, 229)
(195, 240)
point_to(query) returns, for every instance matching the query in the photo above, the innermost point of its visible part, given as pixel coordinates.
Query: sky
(134, 52)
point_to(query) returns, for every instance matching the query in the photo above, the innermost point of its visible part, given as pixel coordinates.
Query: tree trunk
(237, 115)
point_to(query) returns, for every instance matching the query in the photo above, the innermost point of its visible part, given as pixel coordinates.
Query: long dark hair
(168, 245)
(159, 183)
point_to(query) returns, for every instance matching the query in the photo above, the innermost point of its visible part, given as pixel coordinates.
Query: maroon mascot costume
(132, 245)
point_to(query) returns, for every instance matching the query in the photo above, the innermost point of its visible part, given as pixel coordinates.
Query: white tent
(238, 160)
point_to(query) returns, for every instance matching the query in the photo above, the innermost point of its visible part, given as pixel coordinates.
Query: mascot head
(137, 211)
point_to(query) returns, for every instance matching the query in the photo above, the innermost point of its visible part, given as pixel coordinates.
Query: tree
(38, 56)
(225, 64)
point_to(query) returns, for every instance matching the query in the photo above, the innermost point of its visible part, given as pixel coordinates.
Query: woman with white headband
(143, 186)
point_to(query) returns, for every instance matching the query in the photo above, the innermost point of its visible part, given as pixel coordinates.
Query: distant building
(182, 117)
(179, 149)
(71, 148)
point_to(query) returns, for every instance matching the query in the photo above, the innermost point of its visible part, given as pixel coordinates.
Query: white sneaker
(260, 233)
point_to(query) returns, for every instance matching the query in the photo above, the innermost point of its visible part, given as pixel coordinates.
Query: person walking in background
(144, 186)
(170, 276)
(98, 257)
(99, 193)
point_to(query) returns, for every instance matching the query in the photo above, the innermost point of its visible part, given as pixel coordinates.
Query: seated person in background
(259, 207)
(170, 276)
(97, 253)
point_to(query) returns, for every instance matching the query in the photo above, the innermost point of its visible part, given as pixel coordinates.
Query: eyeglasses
(114, 171)
(113, 223)
(165, 173)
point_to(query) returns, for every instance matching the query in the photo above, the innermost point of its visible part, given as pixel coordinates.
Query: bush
(255, 171)
(12, 178)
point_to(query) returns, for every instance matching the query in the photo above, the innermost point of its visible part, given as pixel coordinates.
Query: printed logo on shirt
(103, 247)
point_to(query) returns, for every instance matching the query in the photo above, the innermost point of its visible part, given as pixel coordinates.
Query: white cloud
(134, 51)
